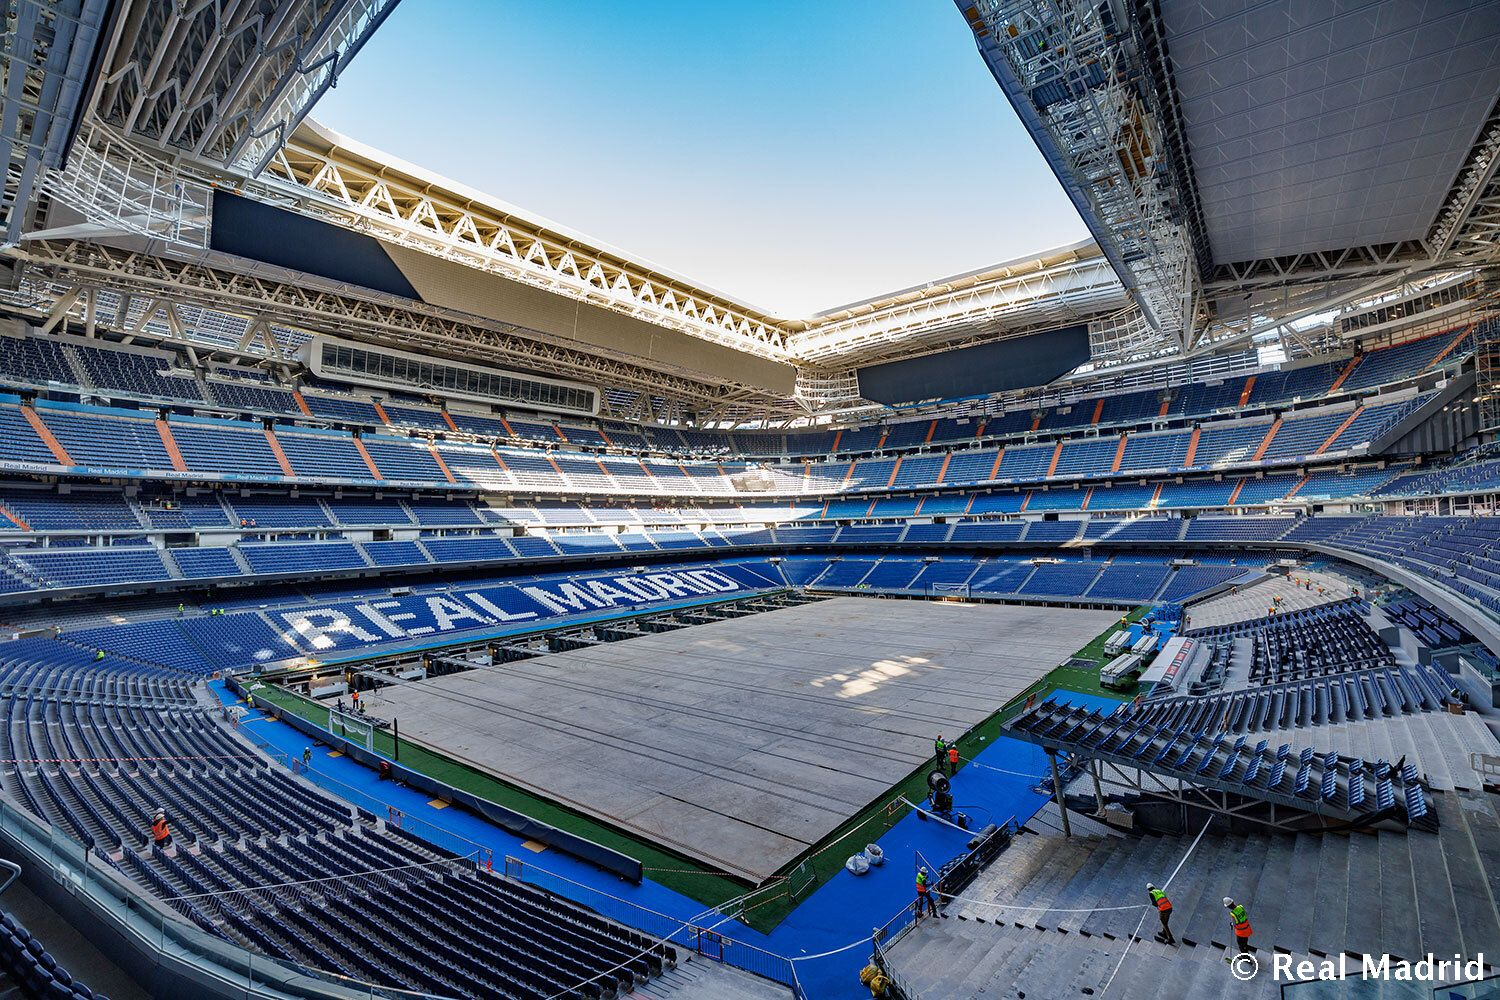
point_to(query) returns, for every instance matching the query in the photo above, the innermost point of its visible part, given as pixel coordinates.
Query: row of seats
(1324, 640)
(1123, 580)
(1214, 756)
(1431, 624)
(103, 509)
(1354, 696)
(63, 565)
(1457, 552)
(161, 374)
(124, 441)
(30, 970)
(368, 902)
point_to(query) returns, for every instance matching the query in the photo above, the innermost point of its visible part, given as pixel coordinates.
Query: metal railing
(377, 807)
(151, 928)
(707, 941)
(883, 962)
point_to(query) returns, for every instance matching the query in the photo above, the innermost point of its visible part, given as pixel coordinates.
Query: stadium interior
(403, 597)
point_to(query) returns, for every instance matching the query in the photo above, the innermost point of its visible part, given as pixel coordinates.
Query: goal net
(352, 727)
(948, 590)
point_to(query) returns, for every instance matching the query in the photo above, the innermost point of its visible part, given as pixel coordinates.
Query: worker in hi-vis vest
(161, 834)
(953, 759)
(1241, 921)
(924, 893)
(939, 752)
(1164, 911)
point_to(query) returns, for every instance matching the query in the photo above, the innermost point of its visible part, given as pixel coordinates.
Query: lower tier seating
(367, 901)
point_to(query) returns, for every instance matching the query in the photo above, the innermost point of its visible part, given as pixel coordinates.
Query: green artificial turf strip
(768, 907)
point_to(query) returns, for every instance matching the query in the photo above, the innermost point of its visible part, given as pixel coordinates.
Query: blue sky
(794, 154)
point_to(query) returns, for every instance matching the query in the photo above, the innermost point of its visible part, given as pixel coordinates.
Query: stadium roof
(1241, 170)
(1314, 127)
(1219, 151)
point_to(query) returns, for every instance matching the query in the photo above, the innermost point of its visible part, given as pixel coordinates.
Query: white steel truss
(120, 189)
(225, 81)
(272, 317)
(327, 181)
(1064, 286)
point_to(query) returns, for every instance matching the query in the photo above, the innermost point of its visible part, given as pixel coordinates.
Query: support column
(1057, 791)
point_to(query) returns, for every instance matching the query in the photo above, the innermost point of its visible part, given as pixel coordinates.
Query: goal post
(948, 590)
(352, 727)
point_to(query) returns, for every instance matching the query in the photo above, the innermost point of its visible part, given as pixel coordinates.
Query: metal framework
(1468, 226)
(1067, 285)
(1067, 70)
(45, 50)
(331, 177)
(1487, 361)
(227, 82)
(188, 96)
(56, 274)
(1138, 781)
(119, 189)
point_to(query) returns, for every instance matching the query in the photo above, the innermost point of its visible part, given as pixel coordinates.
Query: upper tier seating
(1388, 364)
(162, 374)
(237, 394)
(141, 374)
(1155, 451)
(328, 455)
(1230, 443)
(398, 459)
(342, 409)
(19, 443)
(128, 442)
(227, 447)
(34, 360)
(413, 416)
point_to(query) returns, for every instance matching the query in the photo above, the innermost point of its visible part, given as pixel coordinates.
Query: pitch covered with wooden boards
(744, 742)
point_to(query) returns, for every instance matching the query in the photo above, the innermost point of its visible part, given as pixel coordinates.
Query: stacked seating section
(1329, 785)
(95, 537)
(95, 767)
(1330, 700)
(103, 440)
(1103, 437)
(143, 373)
(1311, 642)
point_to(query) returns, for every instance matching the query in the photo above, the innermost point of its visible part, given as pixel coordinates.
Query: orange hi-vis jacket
(159, 831)
(953, 755)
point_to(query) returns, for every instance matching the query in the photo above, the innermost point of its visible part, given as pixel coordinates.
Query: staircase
(1309, 895)
(80, 371)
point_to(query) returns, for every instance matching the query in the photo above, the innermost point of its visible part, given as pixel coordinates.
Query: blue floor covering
(842, 911)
